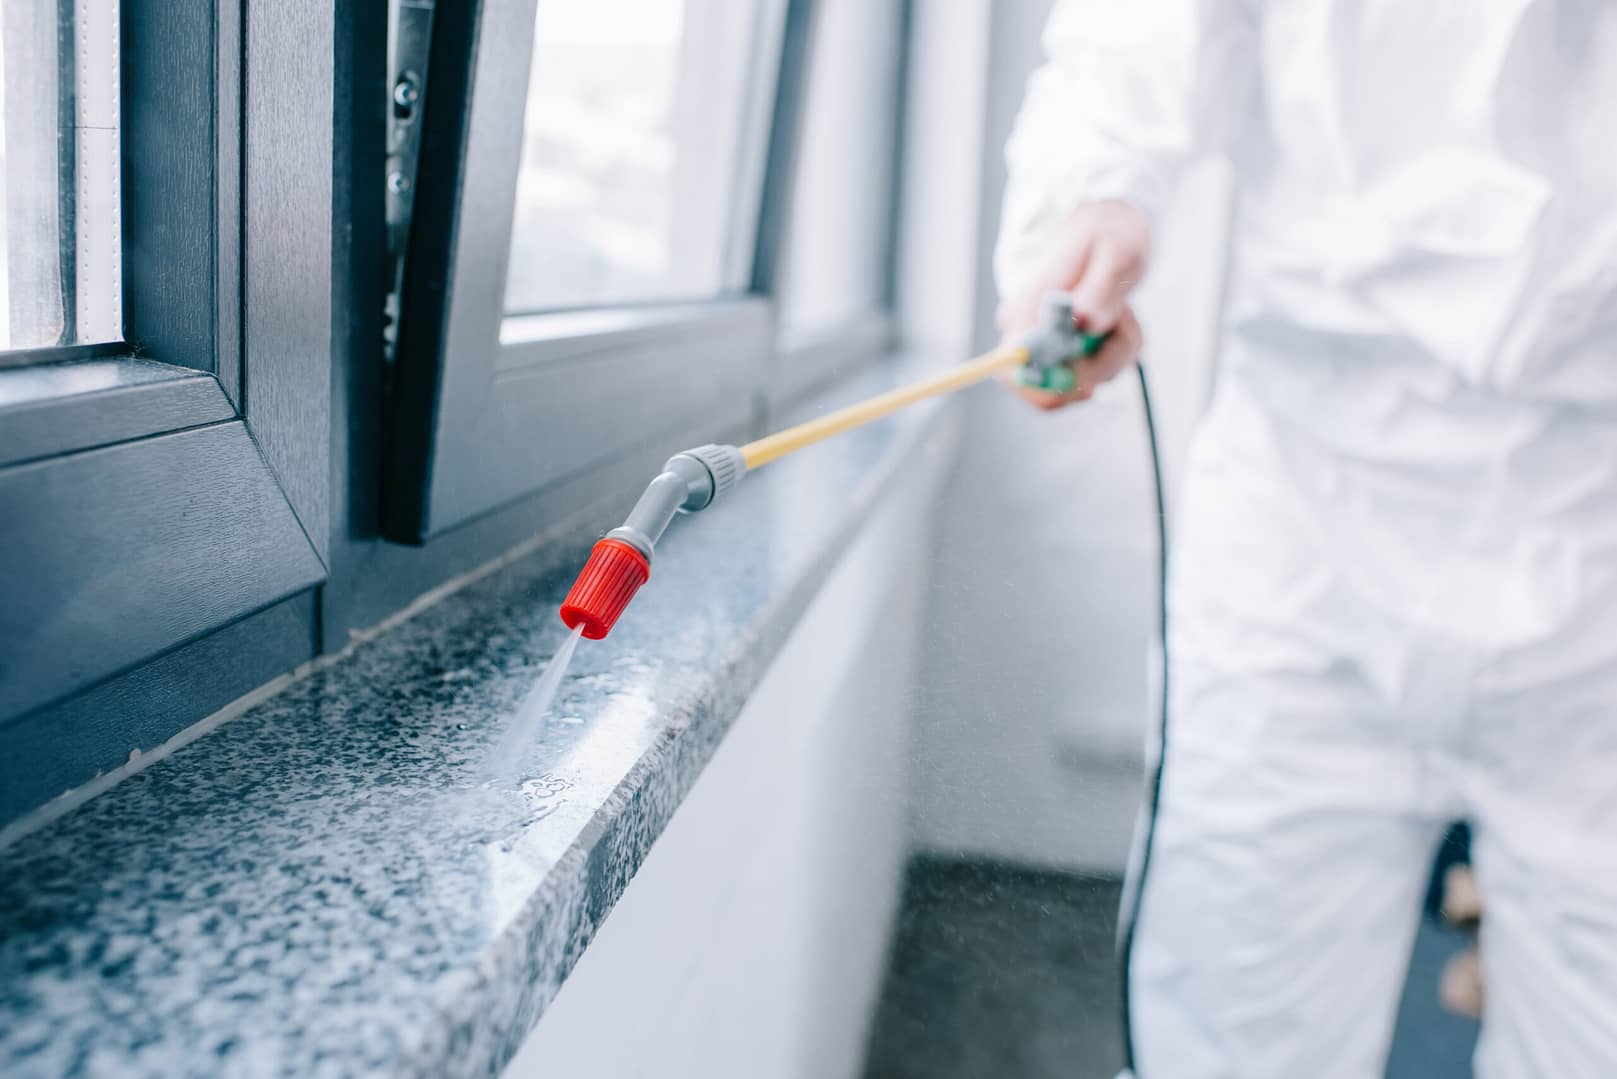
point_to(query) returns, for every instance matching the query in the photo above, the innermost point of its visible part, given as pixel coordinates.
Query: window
(61, 275)
(580, 284)
(633, 139)
(839, 204)
(154, 506)
(838, 228)
(601, 275)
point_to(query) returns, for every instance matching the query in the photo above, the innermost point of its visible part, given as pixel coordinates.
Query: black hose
(1154, 790)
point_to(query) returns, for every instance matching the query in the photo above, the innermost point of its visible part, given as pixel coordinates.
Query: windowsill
(57, 408)
(328, 883)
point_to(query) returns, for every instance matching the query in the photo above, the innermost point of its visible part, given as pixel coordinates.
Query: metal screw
(398, 183)
(406, 92)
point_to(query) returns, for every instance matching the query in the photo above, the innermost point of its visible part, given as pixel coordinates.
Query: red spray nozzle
(614, 573)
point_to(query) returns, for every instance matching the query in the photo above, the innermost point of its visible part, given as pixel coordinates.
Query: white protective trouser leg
(1361, 651)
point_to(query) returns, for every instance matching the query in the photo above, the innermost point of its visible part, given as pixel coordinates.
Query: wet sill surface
(332, 884)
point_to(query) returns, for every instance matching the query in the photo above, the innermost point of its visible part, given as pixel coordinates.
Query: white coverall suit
(1393, 595)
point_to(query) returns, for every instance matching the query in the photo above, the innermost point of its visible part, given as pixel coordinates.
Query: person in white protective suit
(1392, 600)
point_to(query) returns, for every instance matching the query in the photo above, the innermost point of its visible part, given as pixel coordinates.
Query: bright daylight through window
(60, 277)
(632, 145)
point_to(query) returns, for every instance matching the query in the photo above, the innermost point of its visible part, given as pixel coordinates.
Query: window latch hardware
(409, 35)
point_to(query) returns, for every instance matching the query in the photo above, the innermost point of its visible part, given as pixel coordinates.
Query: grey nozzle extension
(723, 467)
(691, 480)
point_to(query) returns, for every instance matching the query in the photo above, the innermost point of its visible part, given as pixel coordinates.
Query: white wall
(753, 939)
(1042, 612)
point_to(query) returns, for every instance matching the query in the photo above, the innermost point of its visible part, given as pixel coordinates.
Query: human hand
(1100, 258)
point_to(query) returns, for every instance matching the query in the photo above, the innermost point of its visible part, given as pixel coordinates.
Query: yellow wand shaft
(779, 444)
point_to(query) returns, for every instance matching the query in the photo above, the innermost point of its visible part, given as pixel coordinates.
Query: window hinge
(409, 34)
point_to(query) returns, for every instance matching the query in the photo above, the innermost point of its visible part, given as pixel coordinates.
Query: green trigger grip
(1059, 377)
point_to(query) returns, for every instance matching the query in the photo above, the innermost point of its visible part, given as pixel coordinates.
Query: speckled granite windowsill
(328, 885)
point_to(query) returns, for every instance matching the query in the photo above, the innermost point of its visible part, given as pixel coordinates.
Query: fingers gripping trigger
(1054, 345)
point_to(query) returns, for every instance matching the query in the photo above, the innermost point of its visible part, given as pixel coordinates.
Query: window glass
(632, 152)
(834, 262)
(60, 229)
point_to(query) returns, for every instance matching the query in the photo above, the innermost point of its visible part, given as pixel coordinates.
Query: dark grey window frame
(176, 486)
(491, 409)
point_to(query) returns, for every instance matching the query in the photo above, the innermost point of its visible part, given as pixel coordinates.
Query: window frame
(811, 357)
(472, 385)
(187, 490)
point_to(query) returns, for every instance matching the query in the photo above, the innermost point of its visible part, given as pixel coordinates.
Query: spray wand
(696, 478)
